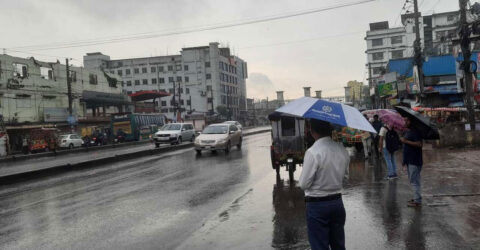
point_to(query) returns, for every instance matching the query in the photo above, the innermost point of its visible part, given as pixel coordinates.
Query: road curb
(28, 175)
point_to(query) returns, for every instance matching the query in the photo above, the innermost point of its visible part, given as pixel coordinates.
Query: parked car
(234, 123)
(70, 141)
(174, 133)
(220, 136)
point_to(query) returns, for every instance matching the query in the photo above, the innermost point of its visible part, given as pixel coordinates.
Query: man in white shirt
(324, 168)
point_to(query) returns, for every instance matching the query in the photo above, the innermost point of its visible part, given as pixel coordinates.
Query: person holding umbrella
(413, 160)
(325, 167)
(419, 128)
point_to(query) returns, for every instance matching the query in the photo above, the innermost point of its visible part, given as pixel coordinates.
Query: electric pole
(417, 46)
(69, 87)
(179, 113)
(467, 79)
(174, 101)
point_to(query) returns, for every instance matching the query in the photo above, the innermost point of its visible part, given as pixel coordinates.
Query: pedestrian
(413, 160)
(367, 142)
(377, 125)
(324, 168)
(389, 142)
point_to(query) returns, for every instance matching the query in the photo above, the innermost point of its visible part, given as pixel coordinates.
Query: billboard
(56, 114)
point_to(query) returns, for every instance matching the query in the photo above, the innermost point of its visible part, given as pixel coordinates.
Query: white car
(174, 133)
(234, 123)
(70, 141)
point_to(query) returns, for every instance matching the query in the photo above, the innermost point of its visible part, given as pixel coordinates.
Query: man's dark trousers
(325, 222)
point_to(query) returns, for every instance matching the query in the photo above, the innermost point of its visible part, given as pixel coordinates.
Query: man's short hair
(321, 127)
(375, 117)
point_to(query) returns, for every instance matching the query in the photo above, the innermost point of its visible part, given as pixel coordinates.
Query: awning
(147, 95)
(102, 98)
(447, 89)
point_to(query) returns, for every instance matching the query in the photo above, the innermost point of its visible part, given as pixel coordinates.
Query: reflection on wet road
(234, 201)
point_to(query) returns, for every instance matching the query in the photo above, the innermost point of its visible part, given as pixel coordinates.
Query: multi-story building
(200, 79)
(354, 91)
(34, 94)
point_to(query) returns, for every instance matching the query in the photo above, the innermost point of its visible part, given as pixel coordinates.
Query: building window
(137, 82)
(209, 100)
(185, 67)
(207, 64)
(181, 90)
(129, 83)
(154, 81)
(170, 91)
(127, 72)
(144, 81)
(170, 79)
(396, 39)
(208, 76)
(161, 80)
(164, 110)
(377, 56)
(153, 69)
(73, 76)
(170, 68)
(397, 54)
(160, 68)
(187, 90)
(182, 102)
(189, 103)
(209, 88)
(144, 70)
(164, 103)
(119, 72)
(179, 79)
(136, 71)
(46, 73)
(377, 42)
(187, 79)
(20, 70)
(93, 79)
(377, 70)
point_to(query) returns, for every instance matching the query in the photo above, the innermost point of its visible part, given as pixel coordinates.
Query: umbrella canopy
(332, 112)
(388, 116)
(422, 123)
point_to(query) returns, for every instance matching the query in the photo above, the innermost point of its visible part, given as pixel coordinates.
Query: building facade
(199, 79)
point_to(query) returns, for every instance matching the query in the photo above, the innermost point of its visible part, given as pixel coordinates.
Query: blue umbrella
(332, 112)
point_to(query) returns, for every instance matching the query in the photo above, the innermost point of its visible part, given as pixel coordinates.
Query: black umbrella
(427, 129)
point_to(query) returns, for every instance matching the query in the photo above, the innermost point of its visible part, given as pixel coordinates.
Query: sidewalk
(75, 159)
(377, 215)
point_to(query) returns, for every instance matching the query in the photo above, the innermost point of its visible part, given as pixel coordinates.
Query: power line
(192, 30)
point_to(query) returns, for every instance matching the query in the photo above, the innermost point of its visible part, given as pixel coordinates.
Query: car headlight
(222, 140)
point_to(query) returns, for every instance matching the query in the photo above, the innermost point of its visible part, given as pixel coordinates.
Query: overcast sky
(322, 50)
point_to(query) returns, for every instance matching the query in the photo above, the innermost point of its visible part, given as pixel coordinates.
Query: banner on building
(388, 85)
(56, 114)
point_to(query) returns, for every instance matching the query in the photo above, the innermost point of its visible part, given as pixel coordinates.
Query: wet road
(178, 200)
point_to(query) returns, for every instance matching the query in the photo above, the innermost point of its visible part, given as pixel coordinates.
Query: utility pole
(211, 94)
(417, 46)
(370, 85)
(174, 101)
(179, 113)
(69, 87)
(228, 103)
(465, 43)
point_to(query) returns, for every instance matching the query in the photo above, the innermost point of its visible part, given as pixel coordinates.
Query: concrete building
(354, 92)
(200, 79)
(34, 94)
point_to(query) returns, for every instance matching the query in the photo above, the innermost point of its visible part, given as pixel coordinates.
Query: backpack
(392, 141)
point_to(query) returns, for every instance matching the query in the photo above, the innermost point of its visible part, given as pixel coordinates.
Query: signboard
(56, 114)
(104, 98)
(387, 89)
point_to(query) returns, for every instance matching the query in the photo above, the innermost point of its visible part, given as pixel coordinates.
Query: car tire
(227, 148)
(199, 152)
(70, 146)
(157, 145)
(239, 145)
(192, 139)
(179, 140)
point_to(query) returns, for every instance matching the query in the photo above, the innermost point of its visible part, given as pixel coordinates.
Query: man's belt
(324, 198)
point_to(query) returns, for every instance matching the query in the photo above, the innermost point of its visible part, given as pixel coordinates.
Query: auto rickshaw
(288, 142)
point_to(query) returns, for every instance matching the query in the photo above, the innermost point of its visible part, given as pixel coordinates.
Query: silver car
(219, 137)
(70, 141)
(234, 123)
(174, 133)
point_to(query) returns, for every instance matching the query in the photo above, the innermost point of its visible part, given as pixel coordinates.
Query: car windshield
(171, 127)
(64, 137)
(215, 130)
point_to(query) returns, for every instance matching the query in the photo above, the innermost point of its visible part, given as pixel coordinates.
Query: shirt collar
(323, 140)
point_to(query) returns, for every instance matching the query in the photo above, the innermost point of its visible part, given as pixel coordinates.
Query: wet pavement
(178, 200)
